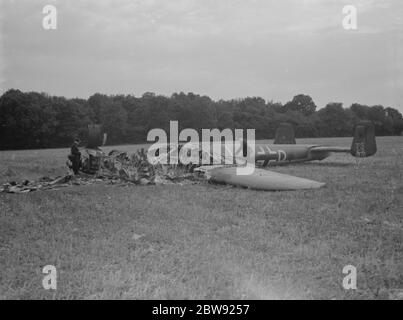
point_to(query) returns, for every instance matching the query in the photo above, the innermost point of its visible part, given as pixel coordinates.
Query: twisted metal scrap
(134, 168)
(116, 167)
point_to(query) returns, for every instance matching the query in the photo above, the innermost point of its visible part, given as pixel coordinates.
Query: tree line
(39, 120)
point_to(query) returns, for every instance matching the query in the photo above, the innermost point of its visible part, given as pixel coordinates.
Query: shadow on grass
(315, 164)
(329, 164)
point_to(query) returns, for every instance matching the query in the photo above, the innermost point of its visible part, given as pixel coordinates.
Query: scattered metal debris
(137, 236)
(47, 183)
(116, 168)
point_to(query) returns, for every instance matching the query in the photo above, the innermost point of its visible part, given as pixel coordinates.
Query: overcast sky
(221, 48)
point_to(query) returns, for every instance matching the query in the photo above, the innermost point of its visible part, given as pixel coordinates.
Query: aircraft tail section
(364, 143)
(285, 134)
(96, 138)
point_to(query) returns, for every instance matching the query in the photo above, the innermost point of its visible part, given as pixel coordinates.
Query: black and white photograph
(201, 155)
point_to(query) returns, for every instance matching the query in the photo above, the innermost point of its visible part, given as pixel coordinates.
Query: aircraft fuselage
(274, 154)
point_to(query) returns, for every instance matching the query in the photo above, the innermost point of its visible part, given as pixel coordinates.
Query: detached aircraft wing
(260, 179)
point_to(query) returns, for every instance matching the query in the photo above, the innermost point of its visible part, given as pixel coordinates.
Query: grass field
(206, 241)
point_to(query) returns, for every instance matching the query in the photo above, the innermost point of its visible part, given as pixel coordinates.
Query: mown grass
(206, 241)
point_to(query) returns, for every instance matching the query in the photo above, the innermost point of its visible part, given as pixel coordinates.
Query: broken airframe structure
(121, 168)
(116, 168)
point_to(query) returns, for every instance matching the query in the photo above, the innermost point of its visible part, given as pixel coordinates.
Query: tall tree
(334, 121)
(301, 103)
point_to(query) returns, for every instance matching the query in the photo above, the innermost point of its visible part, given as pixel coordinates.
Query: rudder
(96, 137)
(285, 134)
(364, 143)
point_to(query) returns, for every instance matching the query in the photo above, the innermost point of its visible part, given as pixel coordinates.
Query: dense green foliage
(37, 120)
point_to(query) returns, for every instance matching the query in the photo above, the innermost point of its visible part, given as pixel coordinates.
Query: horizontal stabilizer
(322, 152)
(330, 149)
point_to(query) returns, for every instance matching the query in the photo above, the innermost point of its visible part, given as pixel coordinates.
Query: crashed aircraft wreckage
(141, 169)
(116, 168)
(363, 145)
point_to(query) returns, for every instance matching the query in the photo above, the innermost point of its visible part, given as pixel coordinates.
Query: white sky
(221, 48)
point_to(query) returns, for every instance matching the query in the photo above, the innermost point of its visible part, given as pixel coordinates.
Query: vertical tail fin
(364, 144)
(96, 137)
(285, 134)
(104, 138)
